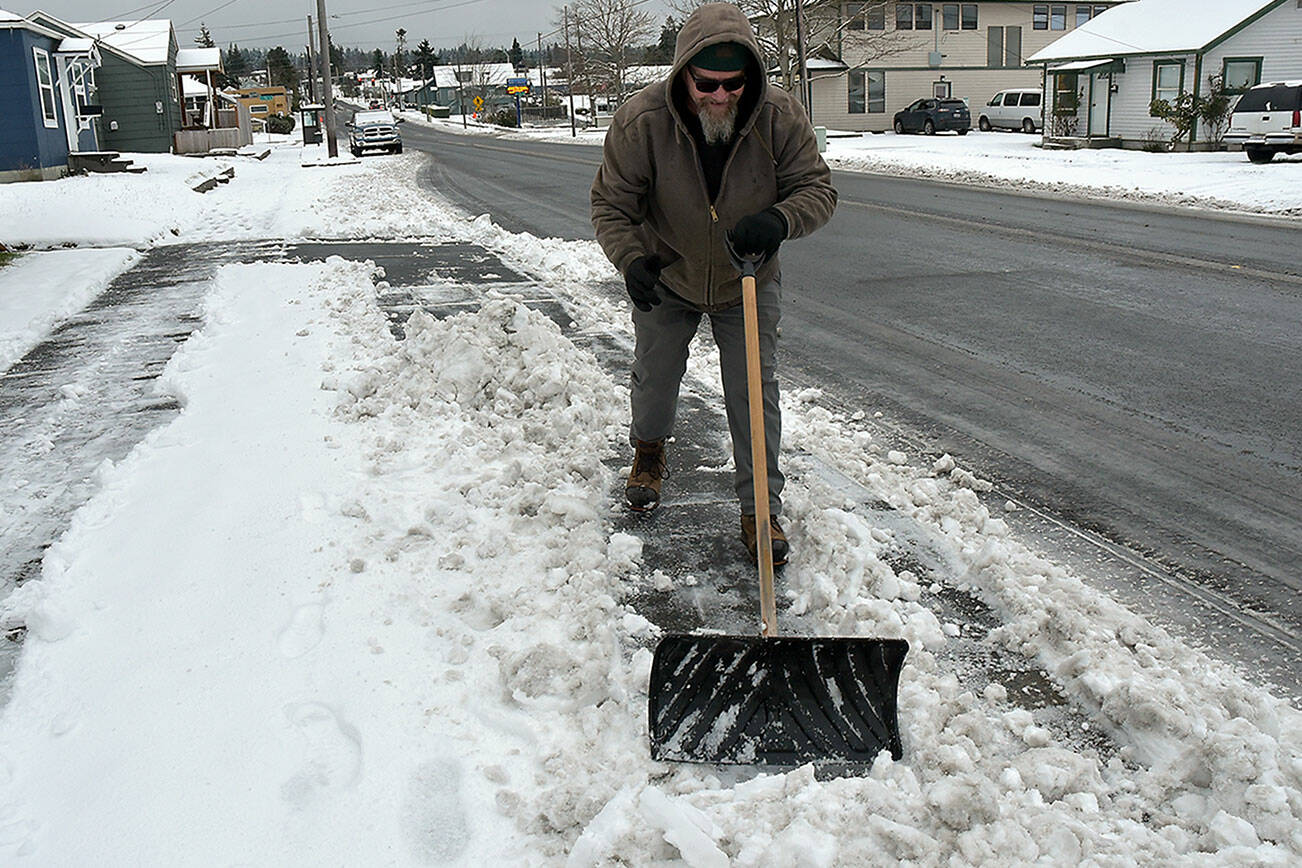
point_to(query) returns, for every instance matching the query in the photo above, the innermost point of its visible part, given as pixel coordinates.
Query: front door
(1100, 93)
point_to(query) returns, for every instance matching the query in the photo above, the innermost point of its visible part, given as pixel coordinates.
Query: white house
(883, 54)
(1101, 78)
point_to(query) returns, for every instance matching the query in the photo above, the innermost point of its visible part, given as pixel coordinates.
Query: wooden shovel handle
(759, 456)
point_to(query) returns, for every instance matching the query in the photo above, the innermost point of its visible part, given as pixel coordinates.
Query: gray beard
(718, 130)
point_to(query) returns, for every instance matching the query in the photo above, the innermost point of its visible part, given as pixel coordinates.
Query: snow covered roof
(1152, 27)
(6, 15)
(198, 59)
(146, 41)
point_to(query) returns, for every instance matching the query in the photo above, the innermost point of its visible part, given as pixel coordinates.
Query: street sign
(517, 85)
(479, 102)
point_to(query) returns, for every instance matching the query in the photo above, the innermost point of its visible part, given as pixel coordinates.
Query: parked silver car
(1267, 120)
(375, 130)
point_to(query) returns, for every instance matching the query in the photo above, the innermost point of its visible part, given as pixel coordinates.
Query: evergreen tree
(377, 62)
(281, 71)
(204, 39)
(668, 40)
(425, 56)
(516, 54)
(236, 65)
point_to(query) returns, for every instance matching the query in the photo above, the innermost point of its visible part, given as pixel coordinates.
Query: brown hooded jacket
(650, 195)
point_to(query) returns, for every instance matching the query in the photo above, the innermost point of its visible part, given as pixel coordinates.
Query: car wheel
(899, 126)
(963, 132)
(928, 127)
(1260, 155)
(1028, 126)
(984, 124)
(398, 149)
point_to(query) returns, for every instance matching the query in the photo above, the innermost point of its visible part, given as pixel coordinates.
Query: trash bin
(820, 133)
(312, 119)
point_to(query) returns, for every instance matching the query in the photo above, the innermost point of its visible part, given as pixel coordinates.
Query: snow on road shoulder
(1218, 179)
(39, 289)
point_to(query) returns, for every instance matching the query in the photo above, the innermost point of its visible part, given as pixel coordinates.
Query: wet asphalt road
(1131, 375)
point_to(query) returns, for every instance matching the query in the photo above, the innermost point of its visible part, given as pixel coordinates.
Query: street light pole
(569, 73)
(327, 88)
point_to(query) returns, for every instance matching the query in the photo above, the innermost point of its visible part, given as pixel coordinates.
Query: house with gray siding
(139, 87)
(1101, 79)
(47, 89)
(878, 57)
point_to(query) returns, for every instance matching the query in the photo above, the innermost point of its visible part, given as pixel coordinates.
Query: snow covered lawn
(362, 603)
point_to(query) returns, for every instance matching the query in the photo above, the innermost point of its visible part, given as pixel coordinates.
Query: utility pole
(583, 59)
(326, 88)
(311, 62)
(461, 94)
(401, 35)
(542, 76)
(800, 58)
(569, 73)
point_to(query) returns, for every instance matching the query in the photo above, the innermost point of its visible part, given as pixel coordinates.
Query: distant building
(264, 101)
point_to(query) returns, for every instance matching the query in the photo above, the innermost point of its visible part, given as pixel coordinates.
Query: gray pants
(660, 360)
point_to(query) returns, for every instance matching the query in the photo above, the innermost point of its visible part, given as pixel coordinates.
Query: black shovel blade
(774, 701)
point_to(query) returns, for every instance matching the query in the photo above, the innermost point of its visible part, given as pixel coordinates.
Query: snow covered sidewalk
(363, 602)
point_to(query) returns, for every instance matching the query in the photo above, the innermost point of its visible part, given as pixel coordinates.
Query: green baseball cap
(721, 57)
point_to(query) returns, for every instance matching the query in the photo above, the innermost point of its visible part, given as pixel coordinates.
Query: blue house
(47, 99)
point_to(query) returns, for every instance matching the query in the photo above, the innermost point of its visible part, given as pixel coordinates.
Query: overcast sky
(363, 23)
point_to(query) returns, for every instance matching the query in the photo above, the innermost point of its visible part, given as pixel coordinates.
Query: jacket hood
(709, 25)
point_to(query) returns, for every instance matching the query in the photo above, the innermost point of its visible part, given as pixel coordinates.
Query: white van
(1267, 120)
(1018, 108)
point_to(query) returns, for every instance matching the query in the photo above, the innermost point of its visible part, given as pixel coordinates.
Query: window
(1083, 14)
(1040, 17)
(1012, 47)
(1168, 80)
(877, 16)
(1099, 10)
(922, 16)
(45, 83)
(1010, 99)
(854, 15)
(1031, 99)
(949, 16)
(995, 47)
(877, 91)
(857, 91)
(904, 16)
(1240, 73)
(867, 91)
(1058, 17)
(969, 16)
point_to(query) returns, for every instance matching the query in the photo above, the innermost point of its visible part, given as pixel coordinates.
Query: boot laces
(651, 461)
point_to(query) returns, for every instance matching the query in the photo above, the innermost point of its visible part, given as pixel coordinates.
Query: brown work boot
(643, 488)
(749, 535)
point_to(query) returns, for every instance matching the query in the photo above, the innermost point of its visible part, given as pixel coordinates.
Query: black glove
(760, 233)
(640, 279)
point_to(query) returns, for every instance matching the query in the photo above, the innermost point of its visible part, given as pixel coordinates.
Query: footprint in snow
(304, 631)
(332, 758)
(433, 818)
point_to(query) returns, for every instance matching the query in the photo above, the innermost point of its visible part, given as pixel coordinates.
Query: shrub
(280, 123)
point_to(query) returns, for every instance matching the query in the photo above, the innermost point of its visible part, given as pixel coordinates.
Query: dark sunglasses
(710, 85)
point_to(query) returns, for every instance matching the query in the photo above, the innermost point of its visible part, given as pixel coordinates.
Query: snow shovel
(770, 700)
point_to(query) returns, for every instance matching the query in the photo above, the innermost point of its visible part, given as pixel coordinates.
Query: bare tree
(610, 31)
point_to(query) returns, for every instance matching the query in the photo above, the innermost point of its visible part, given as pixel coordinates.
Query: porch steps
(101, 161)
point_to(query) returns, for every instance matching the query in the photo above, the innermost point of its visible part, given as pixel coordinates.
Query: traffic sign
(479, 102)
